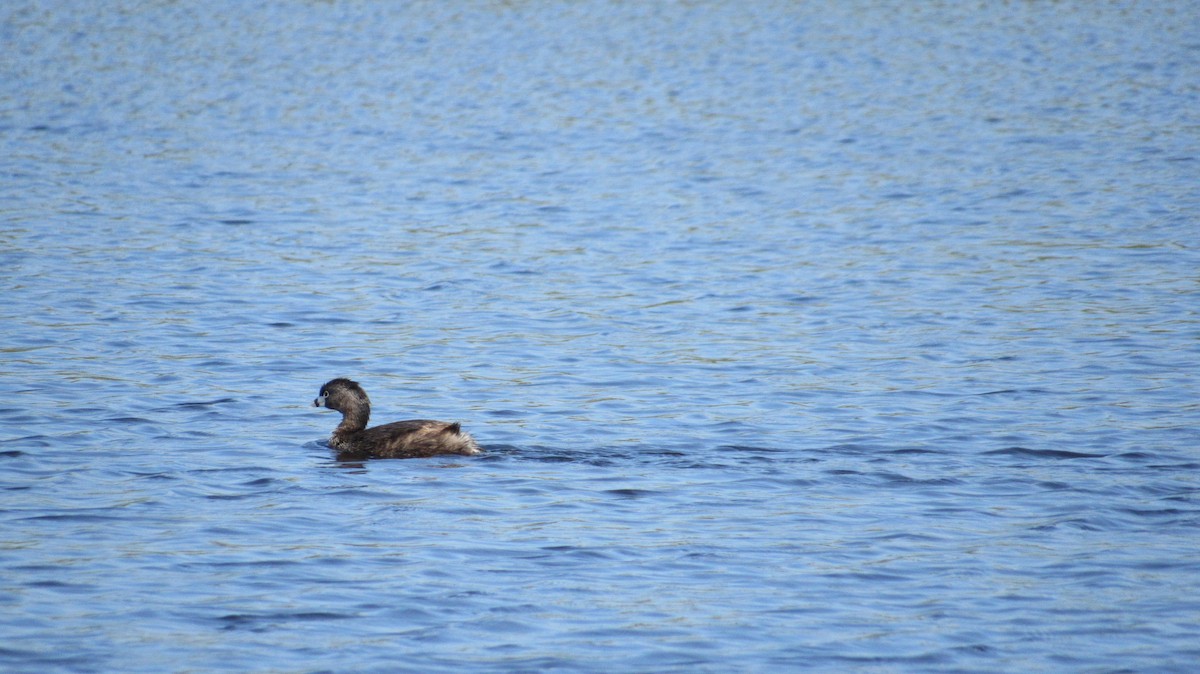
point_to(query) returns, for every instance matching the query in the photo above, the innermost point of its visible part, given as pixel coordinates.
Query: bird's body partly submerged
(399, 440)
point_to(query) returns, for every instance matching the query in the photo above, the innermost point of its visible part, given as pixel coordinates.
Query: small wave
(204, 403)
(630, 493)
(1043, 453)
(260, 622)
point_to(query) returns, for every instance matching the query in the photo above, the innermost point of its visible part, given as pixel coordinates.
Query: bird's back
(407, 439)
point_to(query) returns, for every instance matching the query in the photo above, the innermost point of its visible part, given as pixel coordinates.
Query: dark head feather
(340, 382)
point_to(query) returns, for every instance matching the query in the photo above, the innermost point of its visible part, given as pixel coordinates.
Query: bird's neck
(353, 421)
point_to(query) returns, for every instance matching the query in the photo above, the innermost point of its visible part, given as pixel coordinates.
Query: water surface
(841, 336)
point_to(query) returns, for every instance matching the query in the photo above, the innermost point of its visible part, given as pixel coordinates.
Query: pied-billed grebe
(399, 440)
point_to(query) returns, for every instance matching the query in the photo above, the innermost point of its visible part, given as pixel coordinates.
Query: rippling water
(843, 336)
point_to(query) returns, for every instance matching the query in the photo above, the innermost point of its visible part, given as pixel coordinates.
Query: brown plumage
(400, 440)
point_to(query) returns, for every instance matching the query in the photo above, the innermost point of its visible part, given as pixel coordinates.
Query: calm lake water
(825, 335)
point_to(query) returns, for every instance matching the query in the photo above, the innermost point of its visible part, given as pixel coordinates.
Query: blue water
(831, 336)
